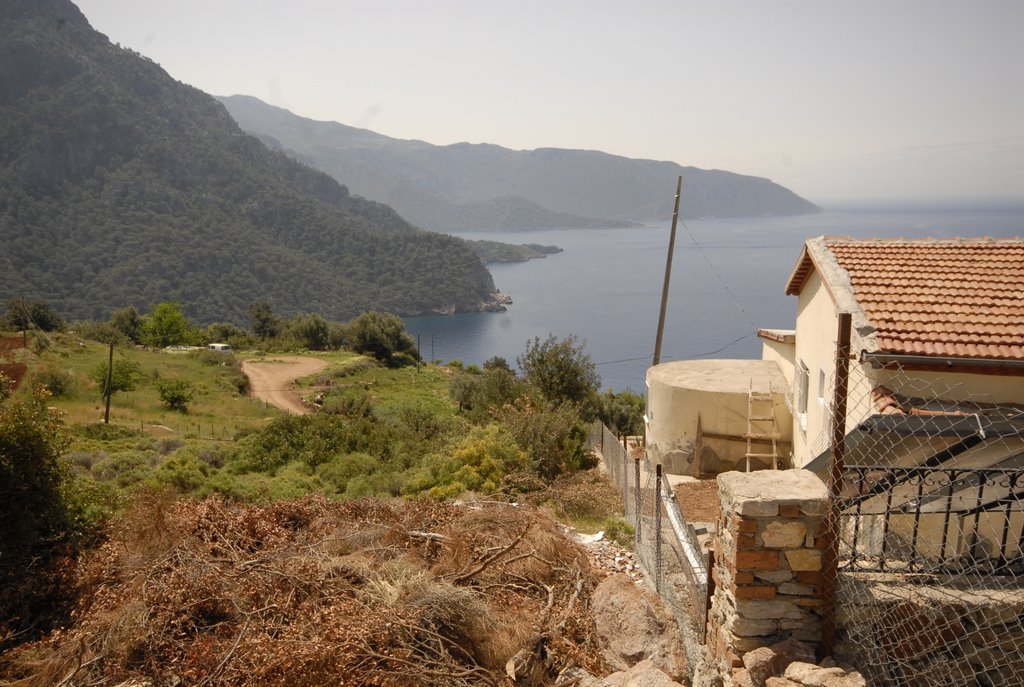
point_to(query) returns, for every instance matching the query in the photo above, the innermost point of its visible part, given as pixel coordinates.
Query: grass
(389, 391)
(218, 409)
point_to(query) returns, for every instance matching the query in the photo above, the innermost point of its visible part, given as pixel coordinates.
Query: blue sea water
(728, 279)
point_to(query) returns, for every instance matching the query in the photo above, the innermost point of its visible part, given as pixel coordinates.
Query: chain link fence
(928, 525)
(666, 546)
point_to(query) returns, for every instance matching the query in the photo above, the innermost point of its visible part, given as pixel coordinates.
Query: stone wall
(966, 630)
(767, 569)
(764, 624)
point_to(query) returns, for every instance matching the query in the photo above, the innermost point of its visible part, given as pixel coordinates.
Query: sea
(728, 279)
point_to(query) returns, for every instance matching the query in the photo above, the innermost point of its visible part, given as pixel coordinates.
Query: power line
(718, 275)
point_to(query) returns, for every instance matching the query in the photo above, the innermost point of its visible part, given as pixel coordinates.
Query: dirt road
(272, 379)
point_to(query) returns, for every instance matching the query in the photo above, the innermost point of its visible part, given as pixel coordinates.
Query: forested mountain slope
(122, 186)
(440, 187)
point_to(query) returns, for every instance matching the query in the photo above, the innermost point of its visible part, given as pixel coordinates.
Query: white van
(219, 347)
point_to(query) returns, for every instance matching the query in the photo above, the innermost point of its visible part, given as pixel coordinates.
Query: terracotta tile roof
(943, 297)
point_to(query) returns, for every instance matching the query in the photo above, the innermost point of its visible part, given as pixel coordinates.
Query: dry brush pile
(314, 592)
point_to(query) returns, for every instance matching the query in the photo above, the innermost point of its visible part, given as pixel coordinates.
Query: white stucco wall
(955, 386)
(715, 391)
(816, 327)
(782, 354)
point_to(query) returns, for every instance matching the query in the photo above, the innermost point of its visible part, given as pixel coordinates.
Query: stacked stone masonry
(768, 558)
(966, 631)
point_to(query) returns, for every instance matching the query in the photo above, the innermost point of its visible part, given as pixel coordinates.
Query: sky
(884, 102)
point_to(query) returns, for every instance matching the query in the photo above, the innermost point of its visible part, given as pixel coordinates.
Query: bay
(728, 279)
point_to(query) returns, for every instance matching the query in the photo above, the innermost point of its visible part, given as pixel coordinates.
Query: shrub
(562, 370)
(32, 439)
(176, 394)
(6, 387)
(479, 463)
(125, 376)
(56, 381)
(619, 531)
(183, 471)
(383, 336)
(104, 432)
(124, 469)
(311, 331)
(551, 434)
(341, 469)
(623, 412)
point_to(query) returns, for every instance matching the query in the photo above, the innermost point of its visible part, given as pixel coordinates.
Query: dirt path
(272, 379)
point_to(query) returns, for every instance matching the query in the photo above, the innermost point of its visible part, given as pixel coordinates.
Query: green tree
(561, 370)
(622, 412)
(176, 394)
(265, 324)
(125, 376)
(497, 363)
(312, 331)
(381, 335)
(550, 433)
(128, 321)
(167, 325)
(33, 313)
(225, 332)
(480, 394)
(32, 439)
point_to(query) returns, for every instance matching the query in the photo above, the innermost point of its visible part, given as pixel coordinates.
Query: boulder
(634, 624)
(643, 674)
(771, 661)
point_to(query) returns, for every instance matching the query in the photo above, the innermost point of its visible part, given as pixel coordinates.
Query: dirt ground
(272, 379)
(698, 500)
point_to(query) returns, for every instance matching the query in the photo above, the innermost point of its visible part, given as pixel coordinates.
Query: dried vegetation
(314, 592)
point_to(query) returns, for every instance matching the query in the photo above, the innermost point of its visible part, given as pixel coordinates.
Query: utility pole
(668, 274)
(110, 381)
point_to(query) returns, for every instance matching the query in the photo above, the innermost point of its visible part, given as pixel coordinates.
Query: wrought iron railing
(933, 519)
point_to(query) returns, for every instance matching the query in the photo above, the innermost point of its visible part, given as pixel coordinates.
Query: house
(933, 320)
(937, 331)
(933, 471)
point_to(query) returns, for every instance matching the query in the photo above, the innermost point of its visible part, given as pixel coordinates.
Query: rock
(741, 678)
(772, 661)
(810, 675)
(760, 665)
(781, 682)
(584, 679)
(643, 674)
(633, 624)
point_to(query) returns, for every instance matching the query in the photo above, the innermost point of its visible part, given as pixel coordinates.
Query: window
(803, 383)
(821, 388)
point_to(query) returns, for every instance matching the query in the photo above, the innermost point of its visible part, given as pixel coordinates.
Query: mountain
(122, 186)
(448, 187)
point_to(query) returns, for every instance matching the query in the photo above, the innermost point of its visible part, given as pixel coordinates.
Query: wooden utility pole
(830, 555)
(668, 274)
(110, 381)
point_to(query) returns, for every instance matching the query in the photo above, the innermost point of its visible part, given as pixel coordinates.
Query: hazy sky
(878, 100)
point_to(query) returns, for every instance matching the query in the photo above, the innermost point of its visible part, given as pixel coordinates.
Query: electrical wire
(717, 274)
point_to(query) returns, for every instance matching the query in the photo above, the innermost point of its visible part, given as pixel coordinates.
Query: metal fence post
(657, 528)
(637, 501)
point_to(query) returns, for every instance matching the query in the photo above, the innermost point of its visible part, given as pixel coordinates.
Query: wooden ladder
(761, 424)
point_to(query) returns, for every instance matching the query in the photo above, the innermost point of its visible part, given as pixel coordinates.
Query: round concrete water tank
(697, 414)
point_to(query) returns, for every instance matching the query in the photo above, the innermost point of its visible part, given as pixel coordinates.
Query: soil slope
(272, 380)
